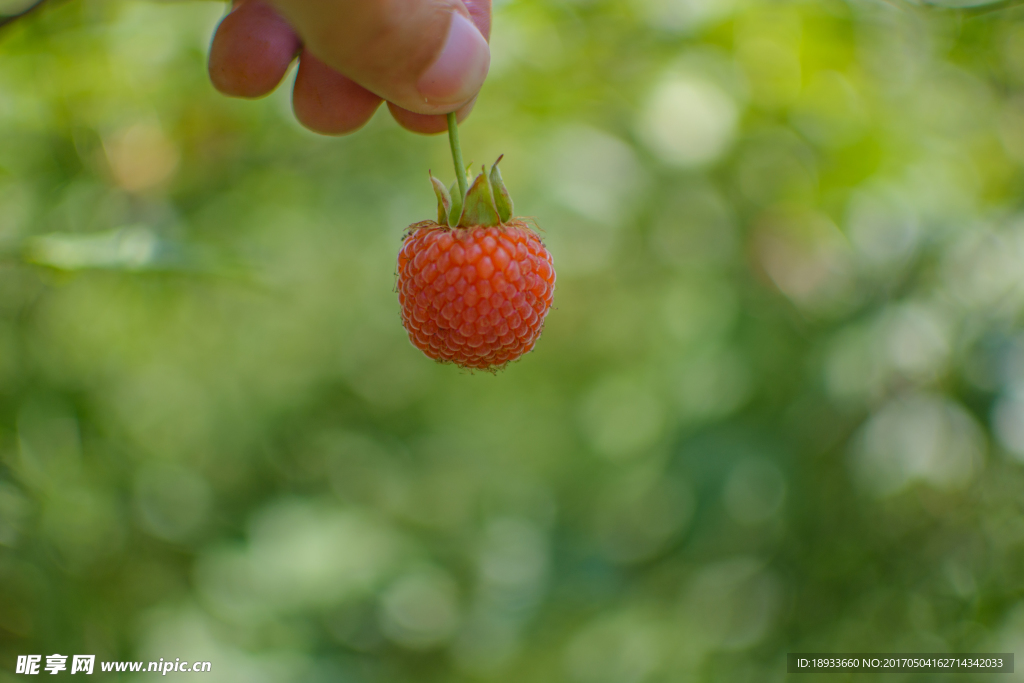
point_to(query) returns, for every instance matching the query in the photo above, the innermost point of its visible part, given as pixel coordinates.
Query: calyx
(487, 202)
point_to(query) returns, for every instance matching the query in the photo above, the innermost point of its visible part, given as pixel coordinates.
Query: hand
(425, 57)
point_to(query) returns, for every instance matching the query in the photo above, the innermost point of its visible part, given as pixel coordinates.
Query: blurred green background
(778, 406)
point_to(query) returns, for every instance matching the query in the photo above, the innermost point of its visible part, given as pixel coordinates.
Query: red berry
(475, 296)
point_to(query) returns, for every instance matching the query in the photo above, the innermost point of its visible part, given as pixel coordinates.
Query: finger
(427, 124)
(327, 102)
(480, 13)
(426, 56)
(251, 50)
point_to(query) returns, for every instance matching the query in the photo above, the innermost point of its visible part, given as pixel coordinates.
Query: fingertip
(251, 51)
(327, 102)
(459, 69)
(427, 124)
(480, 13)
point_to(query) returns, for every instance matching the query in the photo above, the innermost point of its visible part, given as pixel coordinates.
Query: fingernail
(460, 69)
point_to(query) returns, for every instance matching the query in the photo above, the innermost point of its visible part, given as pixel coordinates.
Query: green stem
(460, 167)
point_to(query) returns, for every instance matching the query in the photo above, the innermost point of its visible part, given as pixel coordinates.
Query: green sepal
(457, 200)
(502, 200)
(444, 200)
(479, 208)
(456, 209)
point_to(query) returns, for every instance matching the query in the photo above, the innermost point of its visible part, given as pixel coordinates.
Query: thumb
(426, 56)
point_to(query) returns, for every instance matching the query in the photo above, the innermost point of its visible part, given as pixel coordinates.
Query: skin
(353, 55)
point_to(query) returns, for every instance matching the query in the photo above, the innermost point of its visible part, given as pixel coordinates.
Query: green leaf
(135, 248)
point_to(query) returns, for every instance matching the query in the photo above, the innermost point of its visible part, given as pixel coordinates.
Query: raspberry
(475, 294)
(476, 297)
